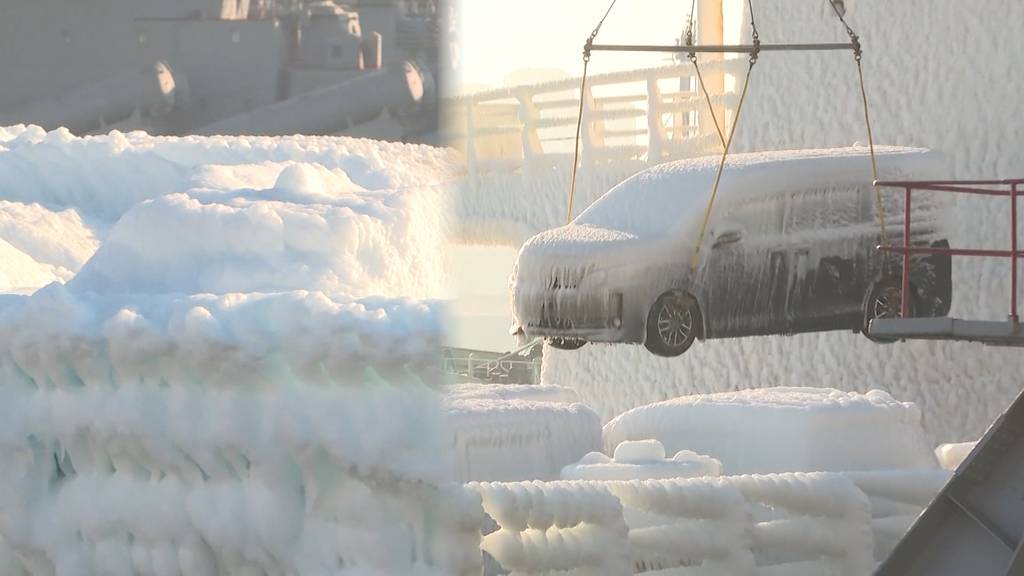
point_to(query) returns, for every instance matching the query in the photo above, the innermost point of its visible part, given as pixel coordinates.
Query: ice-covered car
(790, 246)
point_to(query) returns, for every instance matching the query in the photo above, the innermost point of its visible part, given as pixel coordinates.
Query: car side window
(822, 209)
(759, 217)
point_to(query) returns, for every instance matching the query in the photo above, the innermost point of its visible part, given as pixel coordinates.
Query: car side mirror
(728, 235)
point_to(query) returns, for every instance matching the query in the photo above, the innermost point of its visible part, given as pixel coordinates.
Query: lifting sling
(754, 50)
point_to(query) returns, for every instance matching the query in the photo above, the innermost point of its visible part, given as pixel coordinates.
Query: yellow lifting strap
(855, 42)
(871, 150)
(857, 56)
(721, 166)
(579, 118)
(727, 143)
(692, 57)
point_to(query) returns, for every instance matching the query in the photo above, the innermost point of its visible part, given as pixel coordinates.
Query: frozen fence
(798, 523)
(518, 142)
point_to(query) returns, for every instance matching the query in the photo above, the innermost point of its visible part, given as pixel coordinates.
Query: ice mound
(784, 429)
(60, 195)
(107, 175)
(313, 230)
(39, 245)
(641, 460)
(514, 438)
(242, 378)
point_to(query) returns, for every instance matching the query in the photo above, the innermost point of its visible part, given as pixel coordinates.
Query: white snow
(312, 230)
(672, 197)
(784, 430)
(61, 195)
(242, 378)
(641, 460)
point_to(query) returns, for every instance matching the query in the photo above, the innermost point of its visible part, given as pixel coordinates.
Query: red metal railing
(1008, 188)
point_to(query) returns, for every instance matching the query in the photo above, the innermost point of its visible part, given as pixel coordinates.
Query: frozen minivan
(790, 246)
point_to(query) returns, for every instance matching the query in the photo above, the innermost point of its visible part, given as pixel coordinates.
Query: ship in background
(371, 68)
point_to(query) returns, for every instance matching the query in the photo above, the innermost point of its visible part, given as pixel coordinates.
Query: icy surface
(641, 460)
(312, 230)
(784, 429)
(60, 195)
(242, 378)
(672, 197)
(788, 523)
(959, 105)
(509, 433)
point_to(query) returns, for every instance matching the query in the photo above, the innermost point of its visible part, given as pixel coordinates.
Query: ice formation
(778, 524)
(784, 430)
(511, 433)
(241, 378)
(74, 189)
(641, 460)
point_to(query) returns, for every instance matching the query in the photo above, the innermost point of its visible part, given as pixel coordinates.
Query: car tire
(673, 324)
(559, 343)
(884, 301)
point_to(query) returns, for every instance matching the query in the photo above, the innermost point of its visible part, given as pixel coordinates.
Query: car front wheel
(885, 302)
(672, 324)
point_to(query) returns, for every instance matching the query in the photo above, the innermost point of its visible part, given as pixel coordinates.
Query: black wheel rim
(888, 303)
(675, 322)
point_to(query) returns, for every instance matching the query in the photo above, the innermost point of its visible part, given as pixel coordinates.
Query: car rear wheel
(672, 324)
(560, 343)
(884, 302)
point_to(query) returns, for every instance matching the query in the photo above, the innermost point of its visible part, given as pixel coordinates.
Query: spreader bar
(723, 49)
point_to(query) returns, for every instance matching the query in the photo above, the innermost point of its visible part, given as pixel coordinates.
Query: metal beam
(723, 49)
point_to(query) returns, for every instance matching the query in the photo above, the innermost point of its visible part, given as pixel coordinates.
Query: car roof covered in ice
(675, 194)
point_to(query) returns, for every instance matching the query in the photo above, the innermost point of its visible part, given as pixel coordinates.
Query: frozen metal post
(1013, 249)
(905, 289)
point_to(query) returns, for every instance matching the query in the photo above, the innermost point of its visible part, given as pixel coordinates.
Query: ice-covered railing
(518, 142)
(762, 524)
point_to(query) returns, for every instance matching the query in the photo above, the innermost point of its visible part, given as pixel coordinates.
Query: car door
(744, 270)
(724, 284)
(827, 294)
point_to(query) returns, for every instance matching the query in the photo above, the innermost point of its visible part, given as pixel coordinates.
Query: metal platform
(992, 333)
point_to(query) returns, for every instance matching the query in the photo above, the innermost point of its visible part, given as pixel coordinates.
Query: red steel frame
(978, 187)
